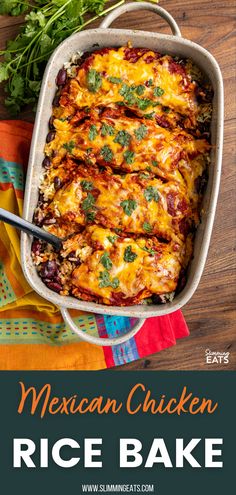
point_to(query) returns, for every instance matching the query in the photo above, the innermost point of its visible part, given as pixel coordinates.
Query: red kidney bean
(61, 77)
(48, 269)
(50, 136)
(54, 286)
(46, 162)
(51, 126)
(57, 183)
(56, 101)
(36, 246)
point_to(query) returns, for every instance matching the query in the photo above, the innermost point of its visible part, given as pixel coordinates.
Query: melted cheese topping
(128, 158)
(152, 267)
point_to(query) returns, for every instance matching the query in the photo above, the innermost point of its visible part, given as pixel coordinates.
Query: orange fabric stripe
(28, 313)
(4, 186)
(22, 135)
(81, 356)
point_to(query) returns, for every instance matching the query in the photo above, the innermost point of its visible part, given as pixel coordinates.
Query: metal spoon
(29, 228)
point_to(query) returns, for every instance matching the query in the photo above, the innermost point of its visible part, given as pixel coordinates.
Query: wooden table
(210, 314)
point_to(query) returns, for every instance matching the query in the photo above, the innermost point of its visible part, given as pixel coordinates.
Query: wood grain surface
(210, 314)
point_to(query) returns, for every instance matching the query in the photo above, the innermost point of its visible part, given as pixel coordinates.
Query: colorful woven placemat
(32, 332)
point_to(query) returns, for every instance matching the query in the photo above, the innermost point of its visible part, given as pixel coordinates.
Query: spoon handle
(29, 228)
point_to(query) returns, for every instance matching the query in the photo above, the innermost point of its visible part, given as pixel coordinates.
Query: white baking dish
(104, 37)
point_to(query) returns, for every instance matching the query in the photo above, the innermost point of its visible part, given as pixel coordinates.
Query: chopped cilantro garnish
(90, 215)
(107, 130)
(154, 163)
(149, 82)
(144, 103)
(112, 238)
(129, 156)
(140, 89)
(107, 153)
(115, 80)
(127, 93)
(144, 176)
(149, 115)
(92, 132)
(141, 132)
(151, 193)
(86, 185)
(150, 251)
(94, 80)
(123, 138)
(149, 169)
(158, 91)
(147, 227)
(69, 146)
(129, 255)
(88, 202)
(105, 280)
(106, 261)
(128, 206)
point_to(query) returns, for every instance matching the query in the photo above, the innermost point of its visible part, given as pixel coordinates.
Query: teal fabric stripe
(11, 172)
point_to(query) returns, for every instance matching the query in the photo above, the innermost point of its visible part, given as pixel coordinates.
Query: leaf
(129, 206)
(107, 153)
(34, 86)
(129, 255)
(94, 80)
(17, 86)
(115, 80)
(129, 156)
(154, 163)
(144, 103)
(151, 193)
(3, 71)
(140, 89)
(106, 261)
(141, 132)
(158, 91)
(11, 7)
(123, 138)
(107, 130)
(147, 227)
(36, 18)
(86, 185)
(69, 146)
(88, 202)
(92, 132)
(45, 43)
(112, 238)
(105, 280)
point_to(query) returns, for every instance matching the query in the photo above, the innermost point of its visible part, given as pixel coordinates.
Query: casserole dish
(174, 45)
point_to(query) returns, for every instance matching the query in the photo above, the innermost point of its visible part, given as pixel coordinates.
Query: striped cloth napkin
(33, 335)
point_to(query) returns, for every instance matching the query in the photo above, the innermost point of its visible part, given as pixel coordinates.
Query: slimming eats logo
(216, 357)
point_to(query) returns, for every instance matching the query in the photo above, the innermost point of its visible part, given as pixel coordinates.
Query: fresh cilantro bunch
(47, 23)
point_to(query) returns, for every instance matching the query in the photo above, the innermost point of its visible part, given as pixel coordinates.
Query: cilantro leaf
(154, 163)
(151, 193)
(106, 261)
(69, 146)
(105, 280)
(86, 185)
(90, 216)
(129, 156)
(94, 80)
(129, 255)
(115, 80)
(147, 227)
(144, 103)
(107, 153)
(141, 132)
(123, 138)
(129, 205)
(112, 238)
(127, 92)
(158, 91)
(92, 132)
(148, 250)
(3, 71)
(140, 89)
(149, 115)
(107, 130)
(88, 202)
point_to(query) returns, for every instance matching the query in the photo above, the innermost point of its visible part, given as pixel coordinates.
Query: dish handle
(141, 6)
(99, 340)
